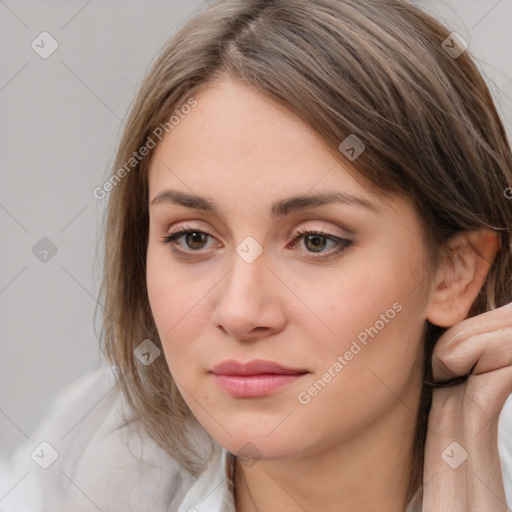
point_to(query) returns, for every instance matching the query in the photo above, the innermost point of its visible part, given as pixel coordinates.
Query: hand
(467, 413)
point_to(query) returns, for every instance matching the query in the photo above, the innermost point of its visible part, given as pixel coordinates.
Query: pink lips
(255, 378)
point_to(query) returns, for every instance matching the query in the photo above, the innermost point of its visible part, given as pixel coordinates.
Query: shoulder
(90, 453)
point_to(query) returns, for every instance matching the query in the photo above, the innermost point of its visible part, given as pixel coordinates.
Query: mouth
(256, 378)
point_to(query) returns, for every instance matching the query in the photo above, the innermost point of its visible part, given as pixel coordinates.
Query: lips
(254, 379)
(255, 367)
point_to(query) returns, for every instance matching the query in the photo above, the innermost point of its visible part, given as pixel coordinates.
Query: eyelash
(343, 243)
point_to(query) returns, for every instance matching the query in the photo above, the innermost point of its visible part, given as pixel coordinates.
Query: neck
(367, 472)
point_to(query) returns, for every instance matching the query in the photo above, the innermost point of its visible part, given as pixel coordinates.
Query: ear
(460, 276)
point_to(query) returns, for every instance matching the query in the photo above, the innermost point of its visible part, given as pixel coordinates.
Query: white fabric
(108, 464)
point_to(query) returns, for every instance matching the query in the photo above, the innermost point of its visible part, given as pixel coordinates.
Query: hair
(376, 69)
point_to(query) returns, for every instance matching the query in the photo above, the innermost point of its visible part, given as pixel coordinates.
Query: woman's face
(343, 311)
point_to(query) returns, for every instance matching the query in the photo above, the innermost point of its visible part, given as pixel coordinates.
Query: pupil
(196, 237)
(317, 238)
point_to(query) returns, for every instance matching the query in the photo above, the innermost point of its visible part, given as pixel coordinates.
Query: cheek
(170, 299)
(356, 300)
(171, 292)
(376, 315)
(374, 356)
(179, 301)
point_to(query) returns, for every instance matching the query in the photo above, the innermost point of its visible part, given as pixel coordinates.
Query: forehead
(236, 138)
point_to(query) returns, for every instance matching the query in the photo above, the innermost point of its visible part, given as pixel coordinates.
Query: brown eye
(194, 239)
(316, 241)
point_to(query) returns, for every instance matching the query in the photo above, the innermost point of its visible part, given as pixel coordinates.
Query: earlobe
(460, 276)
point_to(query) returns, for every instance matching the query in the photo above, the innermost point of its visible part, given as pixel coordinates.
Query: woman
(307, 273)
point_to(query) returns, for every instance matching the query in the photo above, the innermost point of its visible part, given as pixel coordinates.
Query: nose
(249, 302)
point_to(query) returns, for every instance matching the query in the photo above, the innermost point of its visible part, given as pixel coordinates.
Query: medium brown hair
(376, 69)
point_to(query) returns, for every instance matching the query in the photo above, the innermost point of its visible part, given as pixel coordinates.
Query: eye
(194, 238)
(315, 241)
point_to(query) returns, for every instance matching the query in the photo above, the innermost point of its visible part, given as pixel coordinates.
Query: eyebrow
(278, 209)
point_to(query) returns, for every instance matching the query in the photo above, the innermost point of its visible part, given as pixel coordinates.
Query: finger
(488, 397)
(478, 345)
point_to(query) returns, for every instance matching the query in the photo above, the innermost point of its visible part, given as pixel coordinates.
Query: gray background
(61, 122)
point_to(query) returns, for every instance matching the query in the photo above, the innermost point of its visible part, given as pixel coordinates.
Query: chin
(257, 444)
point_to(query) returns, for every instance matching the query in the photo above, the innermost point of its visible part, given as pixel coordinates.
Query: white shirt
(95, 460)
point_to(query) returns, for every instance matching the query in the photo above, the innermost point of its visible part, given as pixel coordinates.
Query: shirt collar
(213, 491)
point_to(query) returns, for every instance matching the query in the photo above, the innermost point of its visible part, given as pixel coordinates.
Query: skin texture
(292, 306)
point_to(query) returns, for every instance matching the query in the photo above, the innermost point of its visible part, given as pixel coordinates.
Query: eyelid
(302, 230)
(185, 227)
(342, 243)
(326, 232)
